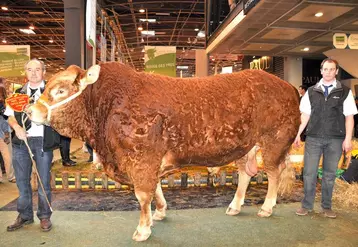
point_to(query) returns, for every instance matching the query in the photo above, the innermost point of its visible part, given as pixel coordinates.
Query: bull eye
(61, 91)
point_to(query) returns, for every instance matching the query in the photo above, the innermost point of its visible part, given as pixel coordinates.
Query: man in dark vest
(327, 109)
(42, 140)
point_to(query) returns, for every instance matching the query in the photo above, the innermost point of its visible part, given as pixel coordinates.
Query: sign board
(13, 59)
(17, 101)
(353, 41)
(160, 60)
(263, 63)
(340, 40)
(103, 57)
(249, 4)
(91, 22)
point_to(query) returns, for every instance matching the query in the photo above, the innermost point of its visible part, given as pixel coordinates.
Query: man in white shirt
(42, 140)
(327, 109)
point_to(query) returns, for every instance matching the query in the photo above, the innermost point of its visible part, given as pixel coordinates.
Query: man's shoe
(45, 225)
(90, 159)
(329, 213)
(68, 163)
(303, 211)
(19, 222)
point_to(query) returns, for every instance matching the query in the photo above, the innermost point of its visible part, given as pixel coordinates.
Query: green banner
(13, 59)
(160, 60)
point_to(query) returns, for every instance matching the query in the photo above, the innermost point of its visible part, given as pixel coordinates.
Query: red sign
(17, 101)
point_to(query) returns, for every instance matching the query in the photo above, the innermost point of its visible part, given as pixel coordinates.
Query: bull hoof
(264, 213)
(141, 236)
(231, 211)
(158, 215)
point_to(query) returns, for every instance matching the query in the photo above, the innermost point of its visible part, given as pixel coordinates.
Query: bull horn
(91, 76)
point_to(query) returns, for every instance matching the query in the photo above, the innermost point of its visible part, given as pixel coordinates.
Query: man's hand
(7, 137)
(20, 133)
(297, 142)
(347, 145)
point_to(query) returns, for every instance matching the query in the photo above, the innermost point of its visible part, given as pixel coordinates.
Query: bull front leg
(160, 203)
(143, 230)
(145, 180)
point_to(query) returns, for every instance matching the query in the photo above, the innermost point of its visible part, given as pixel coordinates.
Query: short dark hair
(304, 87)
(330, 60)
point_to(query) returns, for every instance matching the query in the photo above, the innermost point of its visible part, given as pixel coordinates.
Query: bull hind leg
(245, 174)
(160, 203)
(274, 152)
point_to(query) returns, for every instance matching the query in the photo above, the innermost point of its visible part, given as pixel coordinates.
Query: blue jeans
(315, 147)
(23, 167)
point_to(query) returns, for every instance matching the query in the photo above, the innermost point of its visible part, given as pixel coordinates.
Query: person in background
(65, 151)
(5, 138)
(327, 109)
(302, 90)
(4, 149)
(356, 120)
(41, 140)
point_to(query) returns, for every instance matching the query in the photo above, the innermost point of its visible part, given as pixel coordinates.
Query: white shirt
(35, 130)
(349, 105)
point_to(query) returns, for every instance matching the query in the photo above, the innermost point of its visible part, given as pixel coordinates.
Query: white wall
(293, 70)
(352, 84)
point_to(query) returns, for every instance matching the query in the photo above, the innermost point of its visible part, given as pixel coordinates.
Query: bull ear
(91, 76)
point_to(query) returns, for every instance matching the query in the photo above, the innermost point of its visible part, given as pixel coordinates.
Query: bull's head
(61, 88)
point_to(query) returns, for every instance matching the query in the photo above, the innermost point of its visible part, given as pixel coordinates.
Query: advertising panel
(160, 60)
(13, 59)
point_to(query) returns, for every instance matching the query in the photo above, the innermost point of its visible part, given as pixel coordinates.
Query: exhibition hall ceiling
(175, 23)
(272, 27)
(291, 28)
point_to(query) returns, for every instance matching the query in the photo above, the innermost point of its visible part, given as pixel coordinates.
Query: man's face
(329, 71)
(34, 72)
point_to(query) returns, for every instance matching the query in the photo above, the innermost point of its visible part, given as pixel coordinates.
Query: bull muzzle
(38, 113)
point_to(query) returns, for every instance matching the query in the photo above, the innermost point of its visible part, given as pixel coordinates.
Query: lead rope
(33, 163)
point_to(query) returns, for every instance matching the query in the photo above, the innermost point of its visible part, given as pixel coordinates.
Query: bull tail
(287, 177)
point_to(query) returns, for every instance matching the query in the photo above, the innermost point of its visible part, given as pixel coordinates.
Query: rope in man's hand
(24, 119)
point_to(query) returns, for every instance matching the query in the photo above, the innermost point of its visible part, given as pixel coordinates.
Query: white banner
(103, 48)
(113, 47)
(91, 22)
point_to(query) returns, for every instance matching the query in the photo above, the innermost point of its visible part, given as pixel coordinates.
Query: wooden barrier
(99, 180)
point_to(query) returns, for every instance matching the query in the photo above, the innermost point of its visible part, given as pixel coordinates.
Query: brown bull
(144, 126)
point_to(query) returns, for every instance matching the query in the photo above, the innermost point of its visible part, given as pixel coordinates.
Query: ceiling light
(31, 27)
(306, 49)
(4, 41)
(64, 50)
(36, 12)
(162, 13)
(140, 28)
(148, 20)
(201, 34)
(142, 40)
(27, 31)
(51, 41)
(148, 33)
(4, 8)
(318, 14)
(182, 67)
(143, 50)
(141, 10)
(196, 29)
